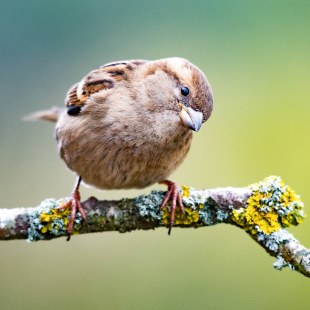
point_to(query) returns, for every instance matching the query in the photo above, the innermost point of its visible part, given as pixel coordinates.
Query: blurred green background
(256, 57)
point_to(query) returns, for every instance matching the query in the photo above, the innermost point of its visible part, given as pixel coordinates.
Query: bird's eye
(73, 110)
(184, 91)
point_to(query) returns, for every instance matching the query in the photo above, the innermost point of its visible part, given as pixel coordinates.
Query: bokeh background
(256, 56)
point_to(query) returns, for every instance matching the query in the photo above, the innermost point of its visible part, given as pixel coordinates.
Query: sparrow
(129, 124)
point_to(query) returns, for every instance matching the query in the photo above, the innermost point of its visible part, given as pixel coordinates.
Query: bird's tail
(51, 115)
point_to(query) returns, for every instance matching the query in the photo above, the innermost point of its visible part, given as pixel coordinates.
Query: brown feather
(129, 133)
(51, 115)
(99, 79)
(72, 98)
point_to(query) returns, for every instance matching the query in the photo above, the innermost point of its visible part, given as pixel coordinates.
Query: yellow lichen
(271, 205)
(186, 191)
(191, 213)
(190, 216)
(55, 221)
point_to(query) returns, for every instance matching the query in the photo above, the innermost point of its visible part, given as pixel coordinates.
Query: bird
(129, 124)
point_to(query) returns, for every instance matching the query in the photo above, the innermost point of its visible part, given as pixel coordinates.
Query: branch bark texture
(263, 210)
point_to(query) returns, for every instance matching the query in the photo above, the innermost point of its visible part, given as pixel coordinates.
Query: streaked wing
(103, 78)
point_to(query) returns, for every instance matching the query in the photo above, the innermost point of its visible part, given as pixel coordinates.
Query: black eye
(73, 110)
(184, 91)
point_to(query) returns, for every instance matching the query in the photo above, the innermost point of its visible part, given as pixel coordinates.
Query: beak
(190, 118)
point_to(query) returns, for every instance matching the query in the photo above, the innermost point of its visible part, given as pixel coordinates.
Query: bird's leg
(75, 203)
(174, 195)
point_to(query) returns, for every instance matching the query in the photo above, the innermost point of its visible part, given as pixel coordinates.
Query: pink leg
(174, 195)
(75, 204)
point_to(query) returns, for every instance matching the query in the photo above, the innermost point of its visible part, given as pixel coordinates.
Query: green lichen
(281, 263)
(148, 206)
(271, 206)
(208, 210)
(47, 221)
(274, 239)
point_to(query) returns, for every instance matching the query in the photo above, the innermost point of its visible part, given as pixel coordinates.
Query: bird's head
(187, 88)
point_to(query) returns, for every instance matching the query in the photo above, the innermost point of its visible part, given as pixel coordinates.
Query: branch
(263, 210)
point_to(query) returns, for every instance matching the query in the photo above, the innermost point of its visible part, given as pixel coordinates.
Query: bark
(263, 210)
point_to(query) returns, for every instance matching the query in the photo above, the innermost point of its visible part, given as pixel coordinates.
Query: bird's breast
(116, 155)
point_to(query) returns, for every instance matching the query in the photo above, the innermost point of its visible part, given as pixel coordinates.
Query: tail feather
(51, 115)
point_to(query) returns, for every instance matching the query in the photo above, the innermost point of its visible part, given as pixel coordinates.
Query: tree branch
(263, 210)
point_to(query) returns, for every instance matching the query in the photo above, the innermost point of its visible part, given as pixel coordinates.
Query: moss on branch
(264, 210)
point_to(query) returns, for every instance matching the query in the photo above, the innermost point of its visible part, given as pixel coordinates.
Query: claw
(75, 204)
(174, 195)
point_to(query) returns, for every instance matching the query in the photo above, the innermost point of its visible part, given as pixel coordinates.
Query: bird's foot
(75, 203)
(174, 195)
